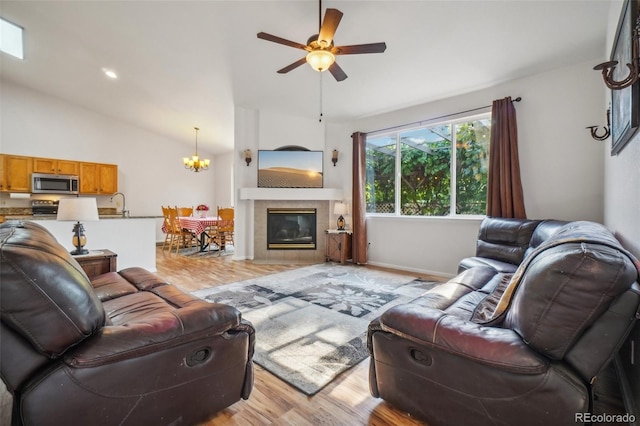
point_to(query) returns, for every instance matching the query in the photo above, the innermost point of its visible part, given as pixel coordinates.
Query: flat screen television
(290, 169)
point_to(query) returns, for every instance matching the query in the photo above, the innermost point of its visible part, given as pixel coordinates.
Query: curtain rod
(518, 99)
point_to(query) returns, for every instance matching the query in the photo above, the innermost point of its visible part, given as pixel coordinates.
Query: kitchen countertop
(53, 217)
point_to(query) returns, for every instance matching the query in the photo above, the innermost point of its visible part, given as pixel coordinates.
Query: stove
(44, 207)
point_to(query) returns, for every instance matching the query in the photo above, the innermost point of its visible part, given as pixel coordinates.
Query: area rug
(311, 322)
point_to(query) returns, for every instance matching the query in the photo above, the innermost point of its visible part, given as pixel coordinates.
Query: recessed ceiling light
(11, 39)
(110, 73)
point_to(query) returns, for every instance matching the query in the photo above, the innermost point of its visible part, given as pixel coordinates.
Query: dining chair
(179, 237)
(185, 211)
(222, 234)
(167, 228)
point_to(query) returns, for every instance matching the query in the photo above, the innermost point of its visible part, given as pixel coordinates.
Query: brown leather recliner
(499, 347)
(125, 349)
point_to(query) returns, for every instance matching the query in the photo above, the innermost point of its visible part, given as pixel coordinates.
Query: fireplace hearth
(291, 229)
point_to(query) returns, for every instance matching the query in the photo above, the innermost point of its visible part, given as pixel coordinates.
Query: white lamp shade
(340, 208)
(77, 209)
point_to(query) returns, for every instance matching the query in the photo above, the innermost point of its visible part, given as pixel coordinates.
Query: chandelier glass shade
(320, 59)
(195, 163)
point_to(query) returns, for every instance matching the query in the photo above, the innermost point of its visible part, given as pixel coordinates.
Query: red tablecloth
(197, 225)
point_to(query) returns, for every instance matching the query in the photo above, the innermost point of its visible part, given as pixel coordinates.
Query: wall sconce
(609, 67)
(334, 157)
(607, 129)
(247, 156)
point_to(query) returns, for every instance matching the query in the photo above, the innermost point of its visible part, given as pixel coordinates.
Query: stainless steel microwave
(42, 183)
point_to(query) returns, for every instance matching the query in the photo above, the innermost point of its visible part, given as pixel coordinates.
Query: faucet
(124, 203)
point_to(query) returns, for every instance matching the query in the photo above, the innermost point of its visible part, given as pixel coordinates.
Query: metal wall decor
(607, 129)
(609, 67)
(624, 82)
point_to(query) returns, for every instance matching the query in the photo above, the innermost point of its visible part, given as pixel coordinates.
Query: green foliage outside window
(472, 162)
(425, 185)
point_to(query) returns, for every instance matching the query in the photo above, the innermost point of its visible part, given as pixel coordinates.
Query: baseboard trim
(417, 270)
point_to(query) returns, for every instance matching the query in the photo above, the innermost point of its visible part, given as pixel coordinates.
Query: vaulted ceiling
(188, 63)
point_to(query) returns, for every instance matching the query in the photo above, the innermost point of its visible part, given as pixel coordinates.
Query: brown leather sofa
(519, 336)
(125, 348)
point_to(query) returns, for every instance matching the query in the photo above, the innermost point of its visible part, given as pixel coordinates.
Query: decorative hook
(609, 67)
(607, 129)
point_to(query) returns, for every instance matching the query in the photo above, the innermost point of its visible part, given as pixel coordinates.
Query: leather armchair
(125, 349)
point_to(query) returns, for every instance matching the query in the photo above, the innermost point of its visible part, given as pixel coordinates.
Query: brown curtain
(504, 195)
(359, 238)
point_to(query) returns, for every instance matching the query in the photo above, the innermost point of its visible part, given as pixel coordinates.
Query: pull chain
(320, 120)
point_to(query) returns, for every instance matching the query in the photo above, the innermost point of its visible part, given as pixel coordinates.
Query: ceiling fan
(321, 50)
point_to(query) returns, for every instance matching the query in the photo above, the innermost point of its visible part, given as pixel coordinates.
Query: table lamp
(77, 209)
(340, 209)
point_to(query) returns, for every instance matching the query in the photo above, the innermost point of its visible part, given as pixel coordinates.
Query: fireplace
(291, 228)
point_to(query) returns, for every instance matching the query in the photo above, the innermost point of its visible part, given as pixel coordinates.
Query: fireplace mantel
(291, 194)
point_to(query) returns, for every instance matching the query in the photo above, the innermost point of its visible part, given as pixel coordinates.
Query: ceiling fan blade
(281, 40)
(360, 48)
(330, 23)
(293, 66)
(337, 72)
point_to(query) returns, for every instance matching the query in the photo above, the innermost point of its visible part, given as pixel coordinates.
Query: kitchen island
(133, 239)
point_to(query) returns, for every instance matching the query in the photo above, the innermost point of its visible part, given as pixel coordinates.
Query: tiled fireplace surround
(289, 256)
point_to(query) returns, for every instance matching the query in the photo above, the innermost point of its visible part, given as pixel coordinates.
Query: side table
(97, 262)
(338, 245)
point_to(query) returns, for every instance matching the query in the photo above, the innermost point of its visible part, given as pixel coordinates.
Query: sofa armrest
(498, 347)
(153, 332)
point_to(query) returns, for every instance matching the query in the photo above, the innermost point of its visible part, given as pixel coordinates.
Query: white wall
(562, 167)
(247, 136)
(223, 170)
(622, 173)
(277, 130)
(150, 171)
(269, 130)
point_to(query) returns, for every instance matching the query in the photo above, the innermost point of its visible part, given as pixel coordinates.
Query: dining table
(199, 226)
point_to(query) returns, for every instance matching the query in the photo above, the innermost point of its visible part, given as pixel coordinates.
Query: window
(435, 170)
(11, 39)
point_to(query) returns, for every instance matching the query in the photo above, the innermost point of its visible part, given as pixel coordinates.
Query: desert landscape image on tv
(290, 169)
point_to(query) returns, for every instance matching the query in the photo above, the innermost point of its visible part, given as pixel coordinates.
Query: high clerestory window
(11, 39)
(434, 170)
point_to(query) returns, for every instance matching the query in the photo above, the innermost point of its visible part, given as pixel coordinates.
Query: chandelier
(195, 163)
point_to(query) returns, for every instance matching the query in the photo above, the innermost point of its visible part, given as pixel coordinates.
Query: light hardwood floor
(345, 401)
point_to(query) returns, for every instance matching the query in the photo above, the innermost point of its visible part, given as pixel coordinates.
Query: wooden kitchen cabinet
(108, 178)
(15, 173)
(338, 246)
(98, 178)
(55, 166)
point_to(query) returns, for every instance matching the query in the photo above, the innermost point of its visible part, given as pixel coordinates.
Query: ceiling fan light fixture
(320, 60)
